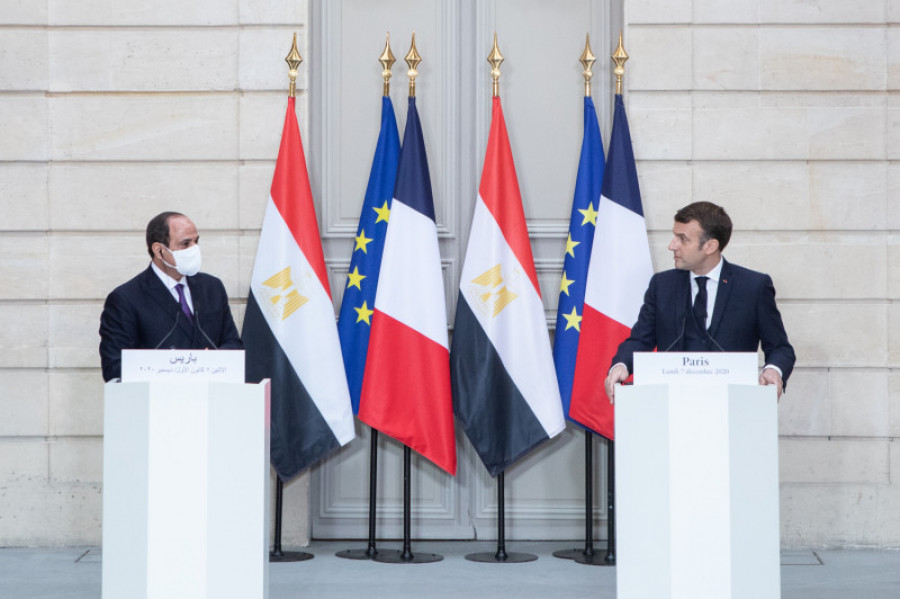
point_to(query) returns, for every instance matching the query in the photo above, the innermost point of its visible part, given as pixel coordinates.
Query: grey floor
(74, 573)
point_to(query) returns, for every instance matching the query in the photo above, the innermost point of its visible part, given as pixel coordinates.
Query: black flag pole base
(278, 557)
(370, 551)
(501, 557)
(361, 554)
(407, 557)
(595, 558)
(584, 556)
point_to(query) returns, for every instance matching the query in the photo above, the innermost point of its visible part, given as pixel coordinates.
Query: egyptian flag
(505, 392)
(354, 323)
(618, 275)
(578, 253)
(290, 335)
(406, 385)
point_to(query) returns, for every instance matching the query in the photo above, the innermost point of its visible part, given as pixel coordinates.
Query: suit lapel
(722, 294)
(157, 292)
(682, 303)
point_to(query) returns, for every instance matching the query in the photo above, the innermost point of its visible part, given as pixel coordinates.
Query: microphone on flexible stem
(197, 319)
(680, 335)
(172, 330)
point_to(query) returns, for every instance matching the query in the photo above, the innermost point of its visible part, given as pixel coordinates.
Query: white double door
(542, 92)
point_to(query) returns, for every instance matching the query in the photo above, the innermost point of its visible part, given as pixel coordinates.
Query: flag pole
(387, 60)
(500, 556)
(406, 556)
(619, 57)
(586, 555)
(293, 59)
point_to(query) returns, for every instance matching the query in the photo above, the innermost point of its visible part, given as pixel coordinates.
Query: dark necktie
(700, 302)
(187, 309)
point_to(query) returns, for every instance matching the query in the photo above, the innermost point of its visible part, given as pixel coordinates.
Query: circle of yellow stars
(355, 279)
(573, 319)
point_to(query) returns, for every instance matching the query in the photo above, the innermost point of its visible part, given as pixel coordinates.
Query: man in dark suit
(707, 304)
(169, 305)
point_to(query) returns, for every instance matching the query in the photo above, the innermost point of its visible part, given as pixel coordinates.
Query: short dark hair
(714, 221)
(158, 230)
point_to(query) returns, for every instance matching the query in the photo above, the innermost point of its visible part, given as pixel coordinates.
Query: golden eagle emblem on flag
(282, 295)
(490, 292)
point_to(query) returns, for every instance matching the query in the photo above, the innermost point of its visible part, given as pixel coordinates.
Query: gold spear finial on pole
(619, 57)
(587, 61)
(387, 60)
(293, 59)
(412, 61)
(494, 59)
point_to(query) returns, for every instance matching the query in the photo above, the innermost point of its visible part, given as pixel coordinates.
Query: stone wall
(111, 112)
(787, 112)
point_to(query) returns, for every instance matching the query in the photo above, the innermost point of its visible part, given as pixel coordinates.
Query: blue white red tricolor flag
(619, 272)
(406, 385)
(579, 243)
(289, 331)
(354, 323)
(505, 392)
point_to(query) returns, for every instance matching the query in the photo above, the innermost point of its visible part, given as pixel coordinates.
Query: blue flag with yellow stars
(570, 309)
(355, 321)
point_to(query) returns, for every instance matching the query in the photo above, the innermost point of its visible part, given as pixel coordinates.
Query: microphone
(680, 335)
(172, 330)
(197, 320)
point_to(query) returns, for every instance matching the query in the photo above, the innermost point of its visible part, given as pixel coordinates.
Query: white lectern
(185, 490)
(697, 490)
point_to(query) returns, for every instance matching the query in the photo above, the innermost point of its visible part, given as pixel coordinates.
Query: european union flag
(578, 254)
(354, 322)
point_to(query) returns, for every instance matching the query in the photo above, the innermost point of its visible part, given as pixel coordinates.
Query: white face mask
(187, 261)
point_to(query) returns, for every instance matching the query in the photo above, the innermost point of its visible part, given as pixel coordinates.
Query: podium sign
(695, 367)
(697, 504)
(221, 366)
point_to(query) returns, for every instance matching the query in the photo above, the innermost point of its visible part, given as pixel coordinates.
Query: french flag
(406, 385)
(289, 333)
(505, 392)
(617, 278)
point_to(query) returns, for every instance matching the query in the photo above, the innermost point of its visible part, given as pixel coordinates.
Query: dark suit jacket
(744, 316)
(142, 313)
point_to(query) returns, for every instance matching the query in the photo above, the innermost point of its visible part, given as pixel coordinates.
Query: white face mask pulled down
(187, 261)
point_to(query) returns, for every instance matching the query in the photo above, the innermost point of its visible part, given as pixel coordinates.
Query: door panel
(542, 90)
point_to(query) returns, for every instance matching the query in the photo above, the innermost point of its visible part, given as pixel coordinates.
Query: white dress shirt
(170, 284)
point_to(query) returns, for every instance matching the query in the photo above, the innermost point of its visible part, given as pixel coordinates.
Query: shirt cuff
(775, 368)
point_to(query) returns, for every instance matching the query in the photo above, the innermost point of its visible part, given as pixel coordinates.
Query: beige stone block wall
(112, 112)
(788, 114)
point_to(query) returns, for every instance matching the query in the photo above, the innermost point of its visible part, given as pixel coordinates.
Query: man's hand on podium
(617, 374)
(770, 376)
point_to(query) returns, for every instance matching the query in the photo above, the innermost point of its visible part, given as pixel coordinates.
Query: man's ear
(711, 247)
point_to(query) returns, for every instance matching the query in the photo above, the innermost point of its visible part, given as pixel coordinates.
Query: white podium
(697, 492)
(185, 490)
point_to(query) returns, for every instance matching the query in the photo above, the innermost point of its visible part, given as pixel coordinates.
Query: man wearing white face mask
(169, 305)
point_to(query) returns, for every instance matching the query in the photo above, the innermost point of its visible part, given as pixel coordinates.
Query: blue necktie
(184, 305)
(700, 302)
